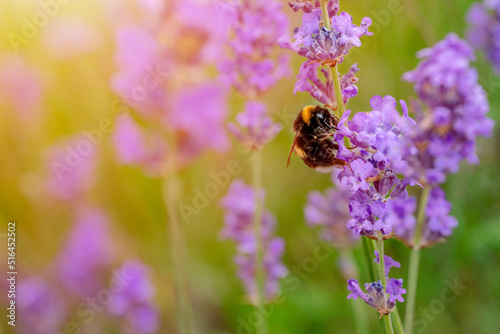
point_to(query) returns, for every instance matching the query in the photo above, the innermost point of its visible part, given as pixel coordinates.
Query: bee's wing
(291, 149)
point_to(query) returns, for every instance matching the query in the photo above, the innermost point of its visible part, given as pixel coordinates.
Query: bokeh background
(57, 85)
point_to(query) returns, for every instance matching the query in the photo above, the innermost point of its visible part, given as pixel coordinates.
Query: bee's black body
(313, 142)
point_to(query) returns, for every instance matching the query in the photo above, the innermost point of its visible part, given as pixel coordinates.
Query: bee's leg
(314, 151)
(324, 136)
(311, 136)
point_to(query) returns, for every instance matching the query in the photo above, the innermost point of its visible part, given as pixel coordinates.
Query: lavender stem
(414, 262)
(259, 263)
(383, 280)
(368, 249)
(334, 72)
(170, 189)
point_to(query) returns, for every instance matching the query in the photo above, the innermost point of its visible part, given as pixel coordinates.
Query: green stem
(326, 17)
(414, 262)
(396, 322)
(368, 252)
(259, 261)
(380, 243)
(383, 280)
(388, 324)
(338, 91)
(170, 194)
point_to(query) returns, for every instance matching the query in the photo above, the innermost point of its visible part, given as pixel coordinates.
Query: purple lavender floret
(330, 211)
(308, 81)
(307, 6)
(255, 26)
(240, 207)
(484, 29)
(384, 303)
(40, 305)
(438, 223)
(134, 300)
(255, 128)
(388, 263)
(454, 113)
(87, 255)
(327, 47)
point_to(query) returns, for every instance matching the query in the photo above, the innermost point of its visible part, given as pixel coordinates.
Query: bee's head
(316, 116)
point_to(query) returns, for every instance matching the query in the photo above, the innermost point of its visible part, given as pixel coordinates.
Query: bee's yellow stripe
(307, 114)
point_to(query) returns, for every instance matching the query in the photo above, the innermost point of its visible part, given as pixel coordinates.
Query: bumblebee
(314, 128)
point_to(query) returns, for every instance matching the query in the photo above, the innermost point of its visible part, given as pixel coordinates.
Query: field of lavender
(145, 186)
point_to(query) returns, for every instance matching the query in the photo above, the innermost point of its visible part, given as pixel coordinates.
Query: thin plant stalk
(388, 324)
(170, 190)
(383, 280)
(396, 322)
(368, 249)
(338, 92)
(414, 262)
(380, 244)
(334, 72)
(259, 260)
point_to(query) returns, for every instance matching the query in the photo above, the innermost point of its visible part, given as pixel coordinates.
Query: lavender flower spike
(327, 47)
(255, 128)
(454, 113)
(483, 33)
(240, 207)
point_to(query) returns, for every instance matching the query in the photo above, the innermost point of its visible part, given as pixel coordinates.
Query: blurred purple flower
(197, 116)
(330, 211)
(87, 253)
(134, 301)
(142, 68)
(401, 215)
(134, 146)
(438, 223)
(455, 113)
(255, 27)
(21, 87)
(274, 268)
(484, 29)
(71, 167)
(240, 206)
(40, 306)
(196, 31)
(255, 128)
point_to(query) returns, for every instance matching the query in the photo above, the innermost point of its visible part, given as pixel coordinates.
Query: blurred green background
(77, 97)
